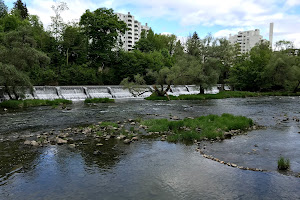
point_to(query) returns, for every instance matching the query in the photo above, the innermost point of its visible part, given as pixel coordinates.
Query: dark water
(151, 169)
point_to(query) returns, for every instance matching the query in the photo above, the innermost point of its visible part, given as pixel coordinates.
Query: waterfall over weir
(117, 92)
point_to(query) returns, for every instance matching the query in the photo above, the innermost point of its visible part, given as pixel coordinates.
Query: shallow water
(151, 169)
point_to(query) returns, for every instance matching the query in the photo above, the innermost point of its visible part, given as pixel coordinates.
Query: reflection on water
(151, 169)
(146, 170)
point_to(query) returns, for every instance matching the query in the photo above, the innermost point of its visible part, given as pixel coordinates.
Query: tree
(3, 9)
(282, 72)
(21, 9)
(248, 71)
(14, 81)
(283, 45)
(101, 28)
(18, 49)
(189, 70)
(73, 45)
(57, 25)
(193, 45)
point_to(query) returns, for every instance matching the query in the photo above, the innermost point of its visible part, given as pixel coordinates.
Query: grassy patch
(283, 164)
(99, 100)
(15, 104)
(223, 95)
(106, 124)
(210, 126)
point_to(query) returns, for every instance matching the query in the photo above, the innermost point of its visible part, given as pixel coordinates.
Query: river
(150, 168)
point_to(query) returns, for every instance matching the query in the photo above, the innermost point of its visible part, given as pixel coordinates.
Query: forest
(89, 53)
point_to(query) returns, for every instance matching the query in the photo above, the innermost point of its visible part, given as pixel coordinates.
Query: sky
(183, 17)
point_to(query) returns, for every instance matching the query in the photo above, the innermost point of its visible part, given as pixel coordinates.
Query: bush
(283, 164)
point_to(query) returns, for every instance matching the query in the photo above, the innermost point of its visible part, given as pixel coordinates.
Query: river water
(149, 168)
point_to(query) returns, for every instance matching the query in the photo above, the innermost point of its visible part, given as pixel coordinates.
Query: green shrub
(283, 164)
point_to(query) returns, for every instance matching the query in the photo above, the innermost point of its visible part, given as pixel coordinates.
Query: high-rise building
(134, 33)
(246, 39)
(271, 34)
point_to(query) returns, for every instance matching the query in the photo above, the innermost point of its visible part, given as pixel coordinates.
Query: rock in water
(34, 143)
(61, 141)
(97, 152)
(27, 142)
(126, 141)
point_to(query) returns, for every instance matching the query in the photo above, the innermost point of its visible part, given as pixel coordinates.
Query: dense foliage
(90, 53)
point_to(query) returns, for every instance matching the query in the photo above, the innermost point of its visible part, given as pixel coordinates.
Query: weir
(114, 91)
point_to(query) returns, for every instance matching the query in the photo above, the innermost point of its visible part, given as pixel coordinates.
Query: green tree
(18, 49)
(101, 28)
(57, 25)
(20, 9)
(248, 71)
(3, 9)
(73, 45)
(282, 72)
(14, 81)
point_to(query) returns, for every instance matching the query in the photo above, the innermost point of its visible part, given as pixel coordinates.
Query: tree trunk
(67, 57)
(201, 90)
(296, 88)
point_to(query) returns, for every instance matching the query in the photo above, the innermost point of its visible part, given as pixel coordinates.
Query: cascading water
(46, 92)
(99, 92)
(179, 90)
(120, 92)
(117, 92)
(73, 93)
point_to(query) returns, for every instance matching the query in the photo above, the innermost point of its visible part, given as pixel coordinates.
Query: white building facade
(246, 39)
(133, 34)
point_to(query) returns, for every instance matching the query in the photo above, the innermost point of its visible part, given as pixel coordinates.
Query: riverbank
(222, 95)
(17, 104)
(188, 130)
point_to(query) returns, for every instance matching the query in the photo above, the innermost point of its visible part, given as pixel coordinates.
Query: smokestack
(271, 34)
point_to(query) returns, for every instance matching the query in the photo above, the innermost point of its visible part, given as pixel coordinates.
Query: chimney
(128, 13)
(271, 34)
(146, 24)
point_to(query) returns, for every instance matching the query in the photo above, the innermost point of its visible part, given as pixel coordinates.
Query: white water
(73, 93)
(117, 92)
(46, 92)
(99, 92)
(179, 90)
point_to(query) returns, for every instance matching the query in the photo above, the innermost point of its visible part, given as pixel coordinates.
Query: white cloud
(229, 15)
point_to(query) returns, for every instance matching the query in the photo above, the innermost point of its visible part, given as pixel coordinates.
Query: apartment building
(246, 39)
(134, 33)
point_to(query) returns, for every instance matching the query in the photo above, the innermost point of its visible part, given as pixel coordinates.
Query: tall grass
(283, 164)
(210, 126)
(16, 104)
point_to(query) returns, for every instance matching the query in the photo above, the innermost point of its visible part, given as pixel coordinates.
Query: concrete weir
(117, 92)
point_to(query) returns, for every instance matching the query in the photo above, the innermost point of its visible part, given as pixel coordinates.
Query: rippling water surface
(151, 169)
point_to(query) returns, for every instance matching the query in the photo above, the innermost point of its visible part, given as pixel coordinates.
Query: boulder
(97, 152)
(34, 143)
(27, 142)
(61, 141)
(135, 139)
(127, 141)
(175, 118)
(227, 135)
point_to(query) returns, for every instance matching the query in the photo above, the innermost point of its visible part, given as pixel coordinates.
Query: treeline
(89, 53)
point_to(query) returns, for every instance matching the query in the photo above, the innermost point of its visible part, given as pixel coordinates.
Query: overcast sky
(183, 17)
